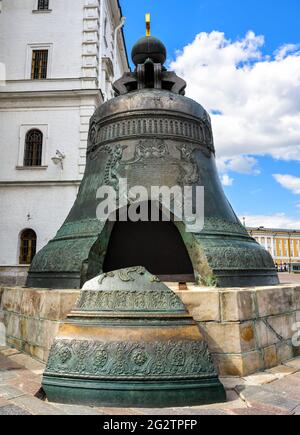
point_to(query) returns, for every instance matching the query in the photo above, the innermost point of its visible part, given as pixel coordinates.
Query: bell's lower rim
(134, 392)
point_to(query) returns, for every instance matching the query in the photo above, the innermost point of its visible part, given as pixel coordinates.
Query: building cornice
(273, 230)
(52, 94)
(40, 183)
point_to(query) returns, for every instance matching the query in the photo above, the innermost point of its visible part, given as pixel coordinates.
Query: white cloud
(278, 220)
(240, 164)
(286, 49)
(226, 180)
(289, 182)
(254, 100)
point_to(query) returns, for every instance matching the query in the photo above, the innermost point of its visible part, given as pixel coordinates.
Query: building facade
(60, 58)
(283, 245)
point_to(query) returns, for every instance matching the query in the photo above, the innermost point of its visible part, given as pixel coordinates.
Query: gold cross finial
(148, 24)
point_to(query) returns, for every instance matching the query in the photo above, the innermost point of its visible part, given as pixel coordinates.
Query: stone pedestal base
(248, 330)
(32, 317)
(13, 275)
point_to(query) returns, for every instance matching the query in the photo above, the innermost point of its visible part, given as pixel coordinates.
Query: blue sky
(256, 191)
(178, 21)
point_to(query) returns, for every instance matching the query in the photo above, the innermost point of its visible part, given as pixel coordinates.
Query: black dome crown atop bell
(151, 134)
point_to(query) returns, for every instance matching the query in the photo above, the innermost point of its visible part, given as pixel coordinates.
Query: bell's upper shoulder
(152, 100)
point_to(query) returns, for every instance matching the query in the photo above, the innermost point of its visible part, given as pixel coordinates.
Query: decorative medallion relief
(189, 167)
(149, 149)
(171, 359)
(147, 300)
(111, 175)
(237, 258)
(55, 257)
(86, 227)
(152, 159)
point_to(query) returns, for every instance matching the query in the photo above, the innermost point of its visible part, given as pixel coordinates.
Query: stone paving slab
(10, 352)
(289, 387)
(7, 364)
(28, 386)
(261, 396)
(77, 410)
(289, 278)
(3, 401)
(260, 379)
(261, 410)
(13, 410)
(297, 411)
(294, 364)
(232, 383)
(125, 411)
(6, 376)
(202, 411)
(233, 399)
(9, 392)
(37, 407)
(282, 371)
(275, 392)
(27, 362)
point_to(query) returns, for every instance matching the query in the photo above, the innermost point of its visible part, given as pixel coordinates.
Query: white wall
(60, 106)
(62, 28)
(61, 126)
(48, 207)
(109, 22)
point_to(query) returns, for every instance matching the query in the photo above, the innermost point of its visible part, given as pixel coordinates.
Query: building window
(43, 5)
(27, 246)
(39, 64)
(33, 148)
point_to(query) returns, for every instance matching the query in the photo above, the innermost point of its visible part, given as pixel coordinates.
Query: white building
(60, 57)
(283, 245)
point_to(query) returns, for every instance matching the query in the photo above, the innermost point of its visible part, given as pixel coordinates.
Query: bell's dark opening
(157, 246)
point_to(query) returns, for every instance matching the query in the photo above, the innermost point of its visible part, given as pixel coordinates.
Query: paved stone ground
(274, 392)
(289, 278)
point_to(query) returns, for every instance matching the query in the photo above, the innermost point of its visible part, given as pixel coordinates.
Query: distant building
(283, 245)
(61, 58)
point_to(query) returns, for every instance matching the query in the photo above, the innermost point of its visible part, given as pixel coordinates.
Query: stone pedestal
(13, 275)
(32, 317)
(248, 330)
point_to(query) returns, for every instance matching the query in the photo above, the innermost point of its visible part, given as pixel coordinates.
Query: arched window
(33, 148)
(27, 246)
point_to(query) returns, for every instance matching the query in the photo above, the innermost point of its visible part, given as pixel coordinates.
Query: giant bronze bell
(131, 343)
(151, 134)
